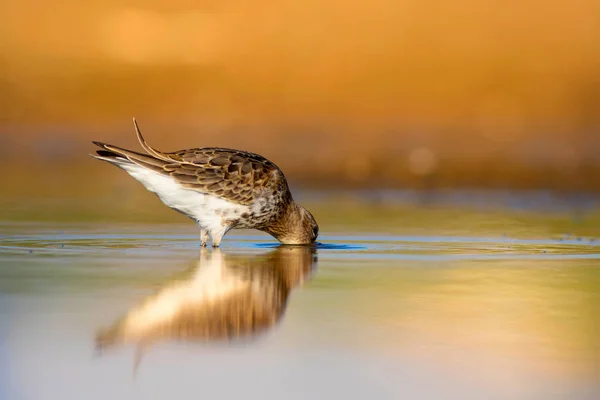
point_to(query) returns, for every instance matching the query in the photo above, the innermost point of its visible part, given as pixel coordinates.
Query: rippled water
(102, 312)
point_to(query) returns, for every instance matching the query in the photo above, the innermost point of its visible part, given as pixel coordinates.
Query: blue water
(371, 316)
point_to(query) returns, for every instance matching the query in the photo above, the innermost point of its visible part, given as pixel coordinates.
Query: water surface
(101, 311)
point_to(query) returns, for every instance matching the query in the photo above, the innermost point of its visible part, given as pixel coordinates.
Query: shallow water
(102, 312)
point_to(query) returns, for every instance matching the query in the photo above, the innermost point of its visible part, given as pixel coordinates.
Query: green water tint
(348, 216)
(424, 302)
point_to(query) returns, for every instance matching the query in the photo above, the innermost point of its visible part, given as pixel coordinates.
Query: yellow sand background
(386, 93)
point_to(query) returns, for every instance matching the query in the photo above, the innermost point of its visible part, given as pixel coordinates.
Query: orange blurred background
(361, 93)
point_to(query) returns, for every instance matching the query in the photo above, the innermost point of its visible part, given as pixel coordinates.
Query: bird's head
(296, 226)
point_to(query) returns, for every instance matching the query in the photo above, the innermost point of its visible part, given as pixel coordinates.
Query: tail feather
(111, 157)
(119, 156)
(105, 154)
(154, 160)
(146, 146)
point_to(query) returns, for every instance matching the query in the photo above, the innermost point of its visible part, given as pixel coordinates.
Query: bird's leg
(203, 237)
(218, 235)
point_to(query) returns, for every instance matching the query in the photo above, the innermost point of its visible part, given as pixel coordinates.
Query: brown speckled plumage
(239, 177)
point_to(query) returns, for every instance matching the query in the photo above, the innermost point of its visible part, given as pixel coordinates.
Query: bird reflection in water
(225, 297)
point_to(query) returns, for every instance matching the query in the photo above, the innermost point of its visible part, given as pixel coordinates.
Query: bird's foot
(203, 237)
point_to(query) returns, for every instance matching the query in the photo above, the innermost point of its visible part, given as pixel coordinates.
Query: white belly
(208, 211)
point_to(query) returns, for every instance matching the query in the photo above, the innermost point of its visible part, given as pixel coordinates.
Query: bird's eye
(316, 231)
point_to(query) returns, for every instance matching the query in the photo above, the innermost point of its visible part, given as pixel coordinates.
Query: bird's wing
(236, 176)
